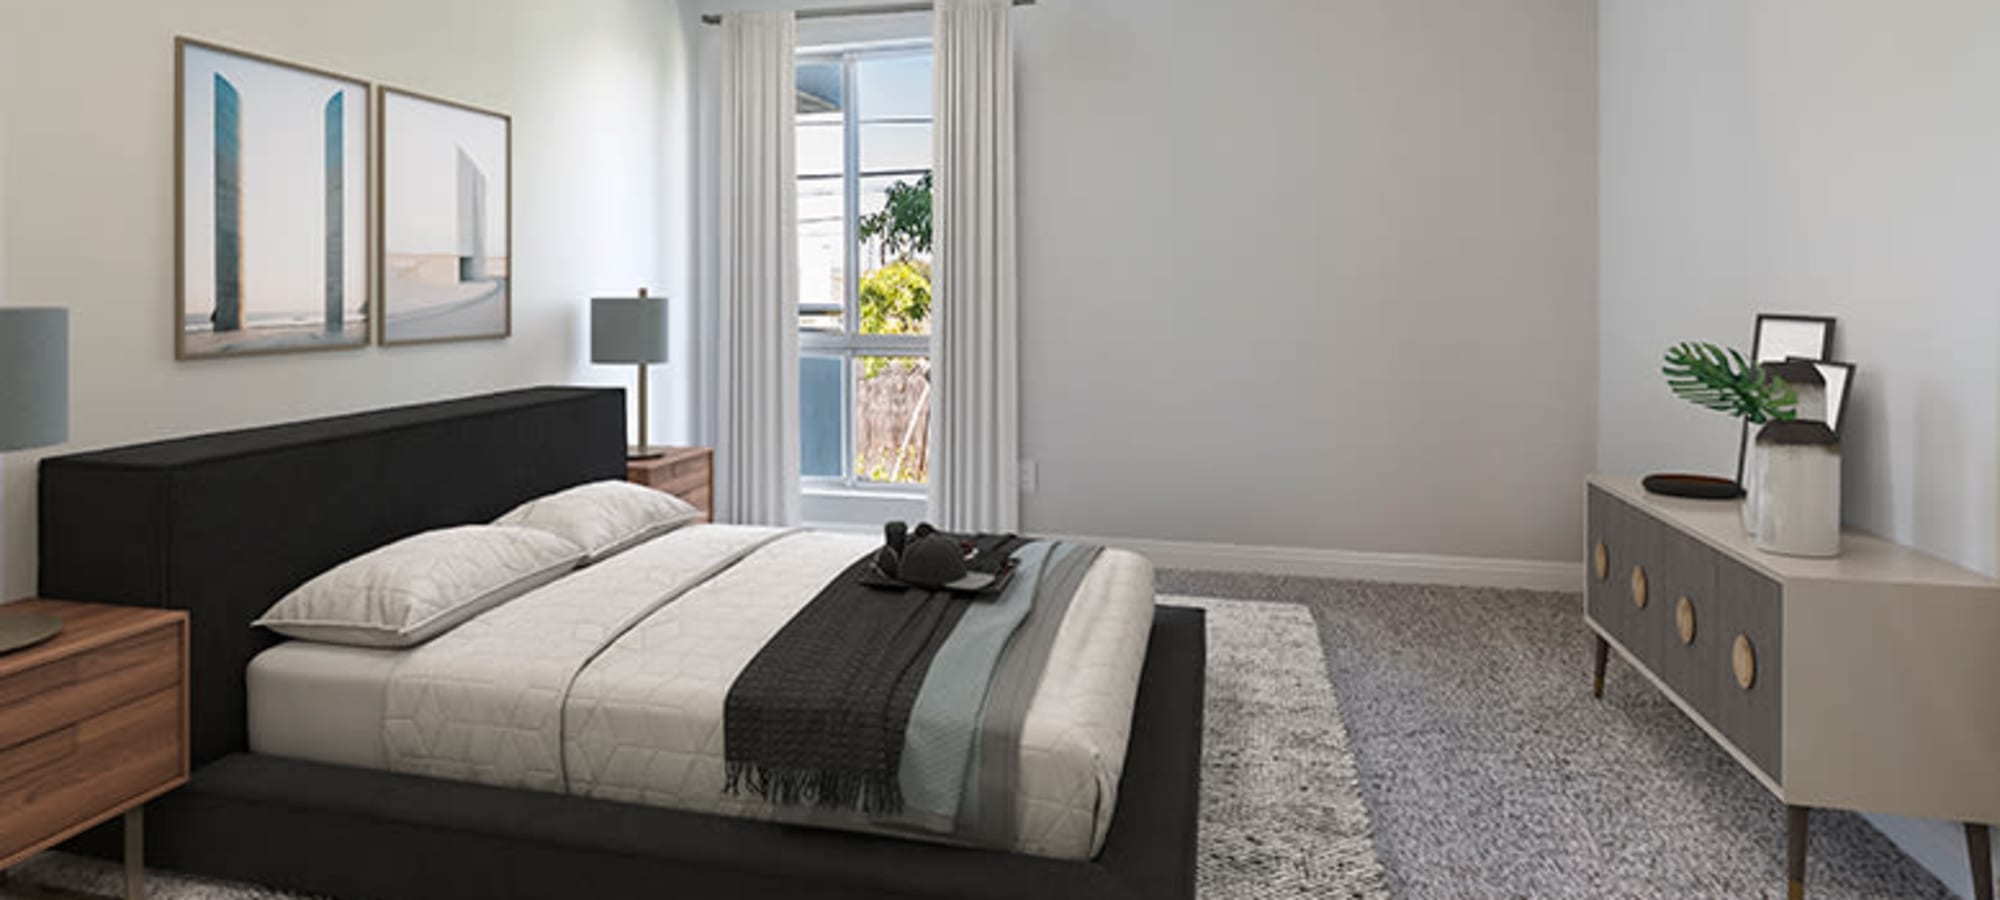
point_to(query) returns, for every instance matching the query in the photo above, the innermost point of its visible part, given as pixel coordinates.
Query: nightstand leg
(135, 854)
(1603, 657)
(1979, 848)
(1795, 851)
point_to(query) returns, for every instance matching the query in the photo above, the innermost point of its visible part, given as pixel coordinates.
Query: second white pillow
(605, 518)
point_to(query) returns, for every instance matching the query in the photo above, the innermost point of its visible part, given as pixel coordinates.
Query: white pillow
(421, 586)
(605, 518)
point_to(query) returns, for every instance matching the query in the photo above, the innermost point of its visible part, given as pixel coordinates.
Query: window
(864, 201)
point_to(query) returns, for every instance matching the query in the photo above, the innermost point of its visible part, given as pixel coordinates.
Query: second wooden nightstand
(92, 725)
(685, 472)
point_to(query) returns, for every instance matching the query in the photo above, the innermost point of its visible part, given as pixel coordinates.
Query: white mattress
(537, 694)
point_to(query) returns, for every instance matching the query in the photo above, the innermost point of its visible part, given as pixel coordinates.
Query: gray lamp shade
(34, 377)
(628, 330)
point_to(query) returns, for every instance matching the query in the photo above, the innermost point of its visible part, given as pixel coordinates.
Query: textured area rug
(1488, 770)
(1282, 815)
(1281, 810)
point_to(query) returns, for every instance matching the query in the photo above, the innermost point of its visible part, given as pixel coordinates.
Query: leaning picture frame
(1779, 337)
(1839, 378)
(271, 205)
(1783, 336)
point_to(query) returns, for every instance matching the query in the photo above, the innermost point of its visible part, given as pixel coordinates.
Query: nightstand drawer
(67, 691)
(100, 762)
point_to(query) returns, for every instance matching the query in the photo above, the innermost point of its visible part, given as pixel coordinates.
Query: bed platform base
(358, 833)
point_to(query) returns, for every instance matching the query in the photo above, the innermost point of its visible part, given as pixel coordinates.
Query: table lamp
(626, 330)
(34, 412)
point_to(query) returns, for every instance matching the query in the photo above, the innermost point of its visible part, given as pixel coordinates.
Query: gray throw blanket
(818, 717)
(961, 743)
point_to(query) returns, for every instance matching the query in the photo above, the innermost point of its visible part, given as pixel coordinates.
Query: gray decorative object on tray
(19, 631)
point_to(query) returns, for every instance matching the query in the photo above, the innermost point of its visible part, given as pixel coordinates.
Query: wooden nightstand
(93, 724)
(685, 472)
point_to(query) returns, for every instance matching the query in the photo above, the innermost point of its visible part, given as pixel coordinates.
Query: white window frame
(849, 345)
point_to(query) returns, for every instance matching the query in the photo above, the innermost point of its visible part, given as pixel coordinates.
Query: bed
(222, 524)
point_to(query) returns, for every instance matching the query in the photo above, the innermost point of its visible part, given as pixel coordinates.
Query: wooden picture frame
(250, 255)
(442, 276)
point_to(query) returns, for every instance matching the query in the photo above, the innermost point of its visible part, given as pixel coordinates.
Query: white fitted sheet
(321, 702)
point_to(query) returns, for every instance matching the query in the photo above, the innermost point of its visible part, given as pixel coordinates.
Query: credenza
(1867, 682)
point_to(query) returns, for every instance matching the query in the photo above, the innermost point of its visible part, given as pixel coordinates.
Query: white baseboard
(1407, 568)
(1404, 568)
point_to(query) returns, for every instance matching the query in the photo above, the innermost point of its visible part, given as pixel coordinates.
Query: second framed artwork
(446, 197)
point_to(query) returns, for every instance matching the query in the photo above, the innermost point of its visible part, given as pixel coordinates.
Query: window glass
(822, 401)
(864, 231)
(893, 86)
(892, 419)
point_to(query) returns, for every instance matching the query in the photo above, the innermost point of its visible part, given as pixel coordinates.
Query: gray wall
(599, 95)
(1310, 274)
(1832, 157)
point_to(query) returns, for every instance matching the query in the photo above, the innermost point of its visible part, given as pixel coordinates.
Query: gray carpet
(1489, 771)
(1282, 816)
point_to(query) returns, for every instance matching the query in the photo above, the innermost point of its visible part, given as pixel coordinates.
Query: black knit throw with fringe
(818, 717)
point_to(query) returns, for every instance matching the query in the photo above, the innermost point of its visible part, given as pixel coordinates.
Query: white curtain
(975, 434)
(757, 415)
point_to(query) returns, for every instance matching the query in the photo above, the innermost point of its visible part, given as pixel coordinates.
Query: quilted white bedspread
(611, 683)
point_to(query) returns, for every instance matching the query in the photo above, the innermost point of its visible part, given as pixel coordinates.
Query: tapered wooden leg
(1795, 852)
(1979, 848)
(1603, 657)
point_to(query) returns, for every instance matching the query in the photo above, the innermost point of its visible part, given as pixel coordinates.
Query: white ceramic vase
(1798, 477)
(1753, 495)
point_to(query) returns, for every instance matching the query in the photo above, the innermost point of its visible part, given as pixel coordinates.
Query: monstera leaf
(1708, 376)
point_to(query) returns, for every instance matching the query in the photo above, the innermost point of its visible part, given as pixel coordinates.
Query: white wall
(1309, 274)
(1829, 156)
(600, 99)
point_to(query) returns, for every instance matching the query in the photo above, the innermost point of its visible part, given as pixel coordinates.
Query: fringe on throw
(823, 788)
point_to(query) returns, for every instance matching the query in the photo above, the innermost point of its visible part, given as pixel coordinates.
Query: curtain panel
(757, 410)
(975, 438)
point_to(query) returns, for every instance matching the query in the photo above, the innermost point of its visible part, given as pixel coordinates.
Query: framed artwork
(447, 220)
(271, 176)
(1779, 338)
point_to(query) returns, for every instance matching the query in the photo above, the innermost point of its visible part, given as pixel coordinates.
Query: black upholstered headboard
(223, 525)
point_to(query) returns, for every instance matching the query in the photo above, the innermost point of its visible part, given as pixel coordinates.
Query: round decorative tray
(19, 631)
(1699, 487)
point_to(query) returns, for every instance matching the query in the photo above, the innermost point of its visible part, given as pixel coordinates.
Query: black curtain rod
(831, 12)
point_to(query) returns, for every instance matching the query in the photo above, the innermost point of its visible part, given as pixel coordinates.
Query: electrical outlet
(1031, 476)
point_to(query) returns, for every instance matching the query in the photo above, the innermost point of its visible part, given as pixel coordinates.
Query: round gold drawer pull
(1743, 658)
(1603, 560)
(1684, 620)
(1639, 587)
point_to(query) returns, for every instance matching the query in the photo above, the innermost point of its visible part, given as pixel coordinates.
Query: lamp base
(637, 454)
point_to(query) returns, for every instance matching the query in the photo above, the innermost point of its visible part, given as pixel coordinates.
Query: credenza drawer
(1707, 626)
